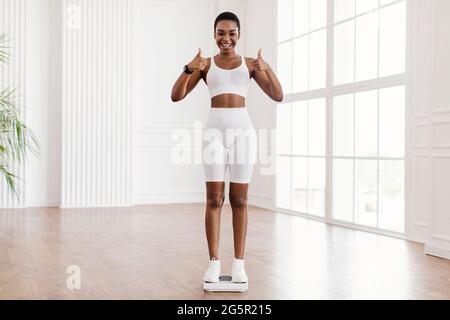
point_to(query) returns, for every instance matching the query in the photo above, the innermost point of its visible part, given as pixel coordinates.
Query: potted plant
(15, 137)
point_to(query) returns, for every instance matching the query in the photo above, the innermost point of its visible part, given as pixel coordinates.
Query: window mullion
(378, 121)
(291, 112)
(329, 112)
(308, 125)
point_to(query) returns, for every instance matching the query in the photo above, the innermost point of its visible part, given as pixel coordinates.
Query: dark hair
(227, 16)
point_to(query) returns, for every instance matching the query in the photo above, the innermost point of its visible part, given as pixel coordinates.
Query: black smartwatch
(186, 70)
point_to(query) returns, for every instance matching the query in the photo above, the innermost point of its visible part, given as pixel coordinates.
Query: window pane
(343, 190)
(344, 53)
(366, 192)
(391, 196)
(318, 11)
(367, 47)
(383, 2)
(300, 72)
(317, 60)
(284, 20)
(301, 14)
(300, 184)
(392, 122)
(284, 129)
(284, 66)
(365, 5)
(316, 126)
(300, 128)
(343, 125)
(316, 186)
(366, 115)
(392, 39)
(343, 9)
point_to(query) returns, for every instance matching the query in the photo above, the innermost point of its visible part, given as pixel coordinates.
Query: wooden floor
(160, 252)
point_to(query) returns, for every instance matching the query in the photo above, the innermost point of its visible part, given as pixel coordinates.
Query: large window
(341, 130)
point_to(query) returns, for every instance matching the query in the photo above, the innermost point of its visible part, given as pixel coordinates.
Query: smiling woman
(229, 139)
(229, 27)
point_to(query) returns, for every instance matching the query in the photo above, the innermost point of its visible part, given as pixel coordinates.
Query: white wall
(428, 145)
(260, 30)
(44, 100)
(169, 34)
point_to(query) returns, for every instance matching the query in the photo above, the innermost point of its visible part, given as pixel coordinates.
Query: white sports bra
(222, 81)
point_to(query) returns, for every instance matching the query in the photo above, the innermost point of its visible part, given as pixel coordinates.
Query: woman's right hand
(199, 63)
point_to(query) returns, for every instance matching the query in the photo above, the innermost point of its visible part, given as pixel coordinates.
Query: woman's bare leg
(238, 201)
(214, 202)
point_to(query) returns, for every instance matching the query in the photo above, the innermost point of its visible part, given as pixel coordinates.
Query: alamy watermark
(229, 146)
(73, 281)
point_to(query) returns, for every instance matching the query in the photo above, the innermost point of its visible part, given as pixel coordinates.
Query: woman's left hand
(259, 64)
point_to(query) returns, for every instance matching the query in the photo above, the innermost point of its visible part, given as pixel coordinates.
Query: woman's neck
(227, 55)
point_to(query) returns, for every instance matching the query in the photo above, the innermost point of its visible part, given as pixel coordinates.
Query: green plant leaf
(15, 137)
(4, 53)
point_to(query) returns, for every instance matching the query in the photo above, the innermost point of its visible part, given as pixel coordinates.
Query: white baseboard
(260, 201)
(415, 238)
(167, 198)
(39, 204)
(13, 208)
(117, 205)
(437, 252)
(35, 205)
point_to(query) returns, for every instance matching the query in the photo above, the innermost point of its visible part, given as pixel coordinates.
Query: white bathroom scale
(225, 285)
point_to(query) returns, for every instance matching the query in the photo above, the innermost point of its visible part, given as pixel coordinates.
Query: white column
(98, 82)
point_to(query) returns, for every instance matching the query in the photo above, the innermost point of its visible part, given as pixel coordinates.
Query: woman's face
(226, 35)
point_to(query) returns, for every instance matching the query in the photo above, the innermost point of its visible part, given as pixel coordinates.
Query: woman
(227, 76)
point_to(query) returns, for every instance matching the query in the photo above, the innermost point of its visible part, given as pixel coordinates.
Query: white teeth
(226, 45)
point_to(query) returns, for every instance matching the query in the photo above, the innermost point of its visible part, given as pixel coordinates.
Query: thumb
(259, 54)
(199, 54)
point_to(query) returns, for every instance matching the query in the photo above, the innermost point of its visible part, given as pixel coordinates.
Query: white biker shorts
(229, 141)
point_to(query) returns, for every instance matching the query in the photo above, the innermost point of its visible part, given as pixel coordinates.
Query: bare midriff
(228, 100)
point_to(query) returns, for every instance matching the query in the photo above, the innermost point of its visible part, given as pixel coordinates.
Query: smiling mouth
(226, 45)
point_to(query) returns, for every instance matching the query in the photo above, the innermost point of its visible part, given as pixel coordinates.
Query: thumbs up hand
(198, 63)
(259, 64)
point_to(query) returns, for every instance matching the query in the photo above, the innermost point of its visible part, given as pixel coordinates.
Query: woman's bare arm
(267, 79)
(186, 82)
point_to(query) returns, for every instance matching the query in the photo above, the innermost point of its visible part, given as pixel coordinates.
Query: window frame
(329, 93)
